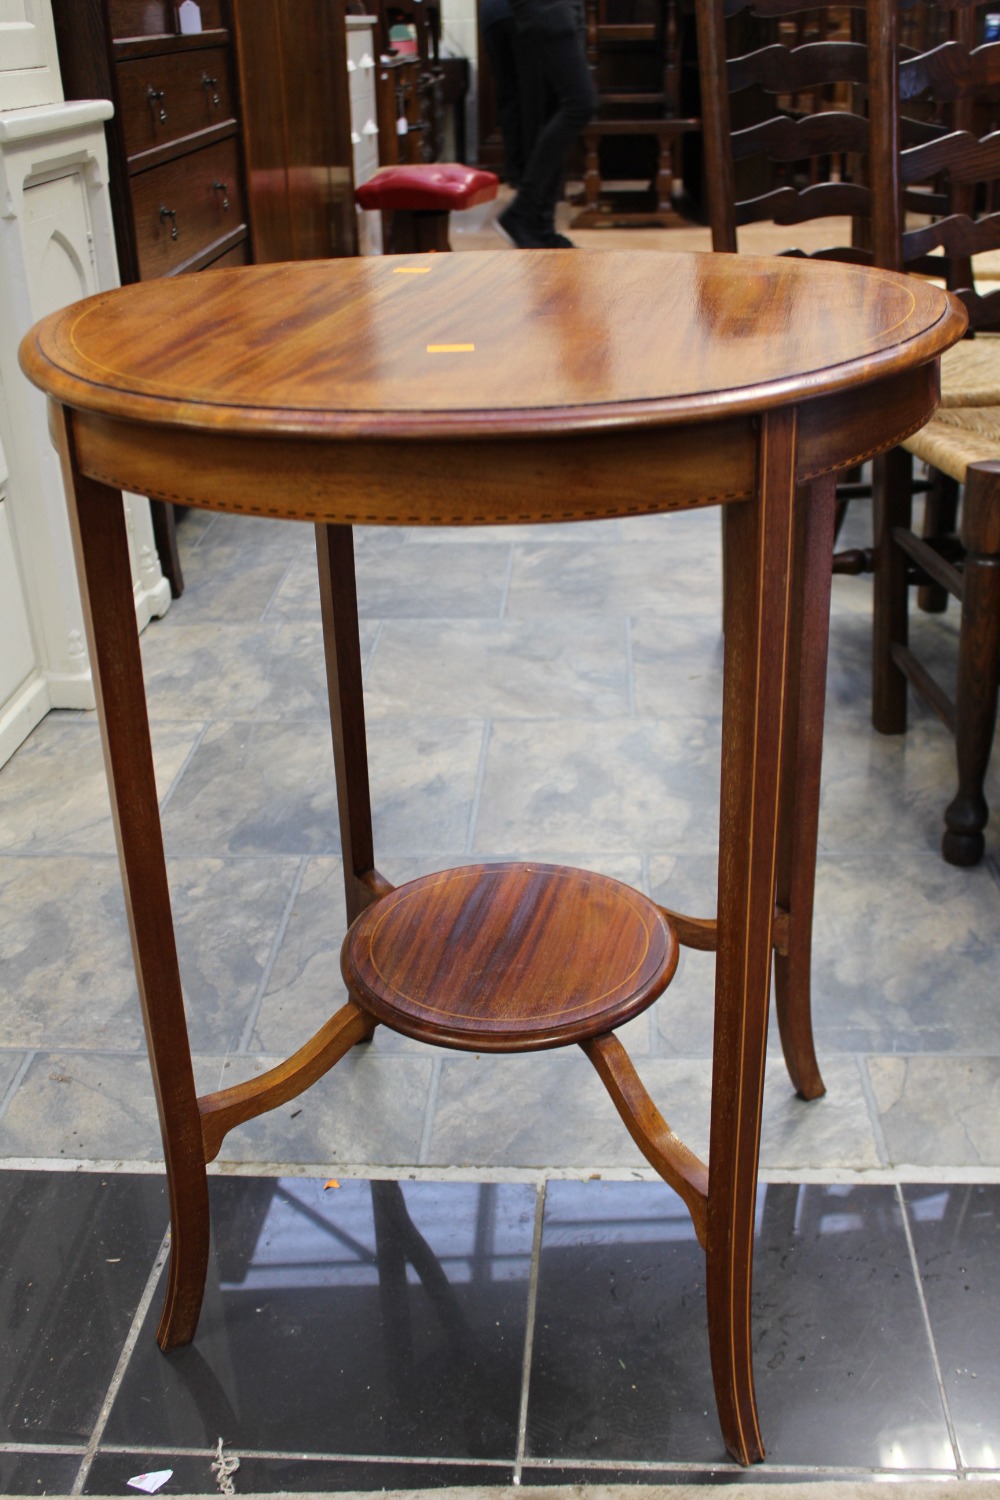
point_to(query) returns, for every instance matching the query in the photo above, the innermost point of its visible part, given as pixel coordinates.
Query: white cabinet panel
(17, 651)
(29, 64)
(56, 245)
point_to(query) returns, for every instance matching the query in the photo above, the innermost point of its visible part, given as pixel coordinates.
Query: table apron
(506, 479)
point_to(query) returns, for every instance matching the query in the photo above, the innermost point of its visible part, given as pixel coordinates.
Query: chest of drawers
(175, 143)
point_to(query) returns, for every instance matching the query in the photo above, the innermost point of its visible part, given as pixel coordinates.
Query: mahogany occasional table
(460, 390)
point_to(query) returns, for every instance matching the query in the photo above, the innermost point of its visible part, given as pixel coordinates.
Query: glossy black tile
(844, 1370)
(76, 1249)
(376, 1318)
(38, 1473)
(680, 1474)
(192, 1474)
(956, 1235)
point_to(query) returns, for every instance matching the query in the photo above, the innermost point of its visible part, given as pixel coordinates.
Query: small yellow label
(451, 348)
(411, 270)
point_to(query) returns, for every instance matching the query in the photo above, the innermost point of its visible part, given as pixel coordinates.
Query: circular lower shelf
(509, 957)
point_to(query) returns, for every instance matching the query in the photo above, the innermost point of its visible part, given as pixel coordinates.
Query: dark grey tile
(38, 1473)
(956, 1234)
(620, 1360)
(844, 1370)
(192, 1474)
(321, 1335)
(76, 1250)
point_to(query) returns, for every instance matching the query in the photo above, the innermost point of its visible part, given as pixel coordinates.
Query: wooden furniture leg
(341, 640)
(978, 664)
(805, 706)
(892, 480)
(101, 544)
(758, 619)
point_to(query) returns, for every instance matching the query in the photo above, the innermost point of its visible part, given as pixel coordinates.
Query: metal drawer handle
(223, 188)
(156, 97)
(171, 214)
(213, 84)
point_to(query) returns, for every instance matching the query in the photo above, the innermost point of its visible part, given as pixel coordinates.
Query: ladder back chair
(844, 80)
(949, 180)
(845, 70)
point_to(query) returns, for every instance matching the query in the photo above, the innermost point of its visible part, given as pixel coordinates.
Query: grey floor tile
(305, 987)
(400, 581)
(45, 808)
(550, 1109)
(65, 950)
(905, 955)
(230, 581)
(10, 1063)
(504, 669)
(65, 955)
(836, 1128)
(268, 788)
(887, 791)
(669, 579)
(215, 670)
(677, 666)
(594, 533)
(363, 1110)
(620, 785)
(935, 1111)
(83, 1105)
(227, 916)
(539, 1109)
(206, 670)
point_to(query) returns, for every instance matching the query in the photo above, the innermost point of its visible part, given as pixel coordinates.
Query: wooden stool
(420, 199)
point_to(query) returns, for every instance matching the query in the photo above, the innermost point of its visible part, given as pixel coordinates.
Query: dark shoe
(556, 241)
(520, 233)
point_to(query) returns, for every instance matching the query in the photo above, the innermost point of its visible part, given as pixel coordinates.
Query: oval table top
(490, 343)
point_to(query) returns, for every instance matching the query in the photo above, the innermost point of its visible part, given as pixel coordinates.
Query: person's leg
(562, 64)
(499, 42)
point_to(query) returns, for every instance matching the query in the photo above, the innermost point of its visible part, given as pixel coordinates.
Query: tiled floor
(367, 1335)
(542, 693)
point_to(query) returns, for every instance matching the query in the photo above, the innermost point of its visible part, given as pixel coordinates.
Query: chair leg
(892, 485)
(978, 666)
(802, 746)
(758, 544)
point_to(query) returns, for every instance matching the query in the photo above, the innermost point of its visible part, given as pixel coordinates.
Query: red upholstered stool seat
(421, 196)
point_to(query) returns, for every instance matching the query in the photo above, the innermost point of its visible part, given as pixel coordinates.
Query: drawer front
(173, 95)
(185, 206)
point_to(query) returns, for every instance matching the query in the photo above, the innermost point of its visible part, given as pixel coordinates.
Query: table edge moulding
(473, 389)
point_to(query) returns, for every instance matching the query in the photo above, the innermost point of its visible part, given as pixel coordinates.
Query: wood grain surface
(469, 345)
(509, 957)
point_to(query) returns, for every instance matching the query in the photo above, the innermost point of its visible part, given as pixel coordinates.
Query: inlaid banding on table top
(509, 957)
(561, 342)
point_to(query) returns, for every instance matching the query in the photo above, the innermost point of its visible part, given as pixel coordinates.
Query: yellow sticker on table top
(411, 270)
(451, 348)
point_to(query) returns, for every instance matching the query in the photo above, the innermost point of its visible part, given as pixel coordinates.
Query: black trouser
(561, 65)
(503, 46)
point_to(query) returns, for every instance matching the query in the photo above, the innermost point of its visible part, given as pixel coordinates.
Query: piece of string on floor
(224, 1468)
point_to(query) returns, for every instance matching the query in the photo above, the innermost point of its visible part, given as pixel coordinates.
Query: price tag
(189, 18)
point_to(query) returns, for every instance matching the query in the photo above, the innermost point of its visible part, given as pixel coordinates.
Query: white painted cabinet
(29, 62)
(361, 63)
(56, 245)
